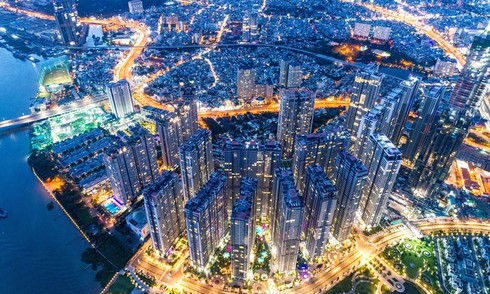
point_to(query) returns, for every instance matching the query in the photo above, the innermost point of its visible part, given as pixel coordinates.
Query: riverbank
(38, 244)
(106, 255)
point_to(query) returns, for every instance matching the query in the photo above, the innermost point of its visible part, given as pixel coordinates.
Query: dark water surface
(40, 249)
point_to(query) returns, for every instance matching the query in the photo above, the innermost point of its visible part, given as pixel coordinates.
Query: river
(40, 249)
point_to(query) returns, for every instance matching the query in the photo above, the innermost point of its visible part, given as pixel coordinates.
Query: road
(271, 107)
(365, 249)
(427, 30)
(124, 66)
(29, 119)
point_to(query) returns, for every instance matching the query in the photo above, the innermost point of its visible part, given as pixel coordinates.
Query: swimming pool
(112, 207)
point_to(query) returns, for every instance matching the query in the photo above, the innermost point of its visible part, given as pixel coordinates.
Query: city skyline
(258, 147)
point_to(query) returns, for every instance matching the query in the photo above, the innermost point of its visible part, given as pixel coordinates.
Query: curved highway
(428, 31)
(365, 250)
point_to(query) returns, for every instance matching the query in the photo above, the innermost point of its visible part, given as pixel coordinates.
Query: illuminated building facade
(290, 74)
(473, 84)
(206, 220)
(131, 164)
(135, 7)
(421, 130)
(350, 178)
(246, 83)
(288, 214)
(383, 163)
(164, 203)
(435, 159)
(196, 162)
(69, 26)
(252, 160)
(143, 146)
(186, 109)
(175, 128)
(320, 200)
(120, 98)
(250, 29)
(369, 125)
(242, 230)
(168, 129)
(318, 148)
(295, 117)
(363, 98)
(120, 165)
(409, 93)
(361, 31)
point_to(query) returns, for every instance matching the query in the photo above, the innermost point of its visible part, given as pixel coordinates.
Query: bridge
(26, 120)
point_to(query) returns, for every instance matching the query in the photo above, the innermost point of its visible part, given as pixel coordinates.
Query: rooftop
(292, 198)
(243, 208)
(137, 218)
(164, 180)
(389, 148)
(322, 182)
(197, 138)
(201, 200)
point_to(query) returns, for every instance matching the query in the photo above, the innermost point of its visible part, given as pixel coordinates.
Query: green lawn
(366, 288)
(343, 286)
(416, 258)
(122, 285)
(412, 264)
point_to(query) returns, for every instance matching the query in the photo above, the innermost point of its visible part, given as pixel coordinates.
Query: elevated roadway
(26, 120)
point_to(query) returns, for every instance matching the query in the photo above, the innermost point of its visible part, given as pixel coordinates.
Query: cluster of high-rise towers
(340, 175)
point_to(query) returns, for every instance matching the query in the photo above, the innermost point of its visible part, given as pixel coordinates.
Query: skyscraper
(168, 129)
(135, 6)
(422, 126)
(186, 108)
(369, 125)
(283, 72)
(388, 117)
(174, 128)
(250, 24)
(364, 96)
(242, 230)
(290, 74)
(350, 177)
(131, 164)
(410, 89)
(287, 222)
(120, 165)
(383, 163)
(252, 160)
(206, 220)
(120, 98)
(69, 26)
(164, 204)
(295, 75)
(474, 82)
(246, 83)
(295, 117)
(435, 159)
(246, 27)
(392, 104)
(196, 162)
(320, 200)
(143, 146)
(318, 148)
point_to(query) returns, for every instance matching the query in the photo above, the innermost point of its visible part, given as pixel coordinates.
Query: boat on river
(3, 213)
